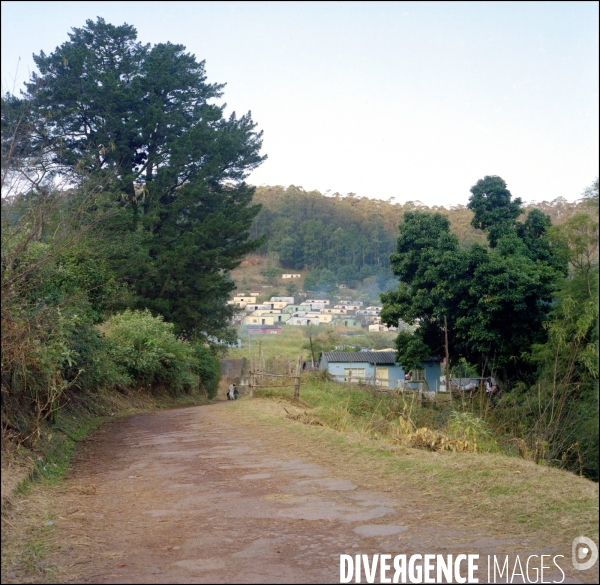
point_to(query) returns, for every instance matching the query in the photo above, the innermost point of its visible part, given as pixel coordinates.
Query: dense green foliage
(561, 414)
(524, 310)
(124, 208)
(495, 299)
(149, 354)
(345, 239)
(494, 209)
(143, 116)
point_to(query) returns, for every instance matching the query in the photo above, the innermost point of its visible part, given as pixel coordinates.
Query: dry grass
(26, 530)
(492, 492)
(16, 467)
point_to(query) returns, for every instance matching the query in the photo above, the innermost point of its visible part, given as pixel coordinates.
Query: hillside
(333, 239)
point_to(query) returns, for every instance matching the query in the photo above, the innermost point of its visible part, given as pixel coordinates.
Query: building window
(418, 375)
(355, 374)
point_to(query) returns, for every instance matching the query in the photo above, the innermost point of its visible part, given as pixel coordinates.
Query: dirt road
(187, 496)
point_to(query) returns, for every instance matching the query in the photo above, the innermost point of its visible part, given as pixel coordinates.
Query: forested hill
(350, 238)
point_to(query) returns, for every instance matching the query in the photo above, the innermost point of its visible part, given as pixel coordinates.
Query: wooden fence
(258, 375)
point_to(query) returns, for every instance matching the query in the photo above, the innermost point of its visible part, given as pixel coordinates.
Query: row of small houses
(282, 311)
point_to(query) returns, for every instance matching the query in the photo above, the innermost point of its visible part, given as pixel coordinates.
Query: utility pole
(448, 387)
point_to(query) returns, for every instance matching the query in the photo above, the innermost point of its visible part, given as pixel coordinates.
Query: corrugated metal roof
(371, 357)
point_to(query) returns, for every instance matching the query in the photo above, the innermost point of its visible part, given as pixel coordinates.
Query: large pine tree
(144, 116)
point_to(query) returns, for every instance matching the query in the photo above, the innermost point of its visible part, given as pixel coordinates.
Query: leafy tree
(272, 273)
(321, 281)
(412, 350)
(145, 115)
(565, 414)
(290, 252)
(495, 300)
(310, 282)
(493, 207)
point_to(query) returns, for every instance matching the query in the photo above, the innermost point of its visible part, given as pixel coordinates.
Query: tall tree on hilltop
(145, 114)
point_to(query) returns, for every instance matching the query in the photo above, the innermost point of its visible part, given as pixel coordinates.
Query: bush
(146, 348)
(208, 368)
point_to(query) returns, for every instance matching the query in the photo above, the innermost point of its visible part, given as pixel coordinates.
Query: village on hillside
(368, 366)
(270, 316)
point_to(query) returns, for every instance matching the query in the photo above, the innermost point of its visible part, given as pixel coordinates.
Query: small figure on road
(235, 392)
(230, 392)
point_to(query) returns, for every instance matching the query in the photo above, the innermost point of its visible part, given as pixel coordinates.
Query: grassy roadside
(30, 478)
(490, 492)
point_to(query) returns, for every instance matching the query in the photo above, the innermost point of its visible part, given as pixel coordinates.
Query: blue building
(377, 367)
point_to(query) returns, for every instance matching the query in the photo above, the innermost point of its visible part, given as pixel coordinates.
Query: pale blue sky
(415, 101)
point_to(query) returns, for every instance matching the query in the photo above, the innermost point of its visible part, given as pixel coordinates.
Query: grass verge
(487, 490)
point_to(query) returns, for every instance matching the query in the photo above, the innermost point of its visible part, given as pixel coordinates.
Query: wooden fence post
(448, 381)
(297, 380)
(251, 376)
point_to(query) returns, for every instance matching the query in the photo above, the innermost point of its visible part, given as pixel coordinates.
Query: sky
(415, 101)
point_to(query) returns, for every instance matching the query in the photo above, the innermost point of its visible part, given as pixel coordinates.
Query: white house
(378, 327)
(303, 321)
(291, 275)
(322, 301)
(243, 300)
(262, 307)
(287, 300)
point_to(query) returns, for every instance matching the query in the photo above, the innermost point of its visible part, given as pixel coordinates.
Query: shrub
(466, 426)
(208, 368)
(146, 348)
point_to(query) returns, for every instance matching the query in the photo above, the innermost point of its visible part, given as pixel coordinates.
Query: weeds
(394, 417)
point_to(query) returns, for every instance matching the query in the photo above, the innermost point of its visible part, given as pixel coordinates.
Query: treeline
(346, 239)
(124, 208)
